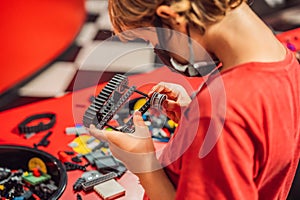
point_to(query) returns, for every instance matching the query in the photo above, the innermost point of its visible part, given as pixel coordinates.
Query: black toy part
(111, 99)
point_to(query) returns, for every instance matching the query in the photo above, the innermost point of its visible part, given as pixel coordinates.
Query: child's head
(131, 14)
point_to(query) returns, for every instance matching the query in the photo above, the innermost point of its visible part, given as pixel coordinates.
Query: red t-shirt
(239, 139)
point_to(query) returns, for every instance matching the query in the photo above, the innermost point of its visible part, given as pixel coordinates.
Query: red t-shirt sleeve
(256, 155)
(226, 172)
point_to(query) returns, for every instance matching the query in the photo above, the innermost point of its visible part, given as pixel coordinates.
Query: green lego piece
(33, 180)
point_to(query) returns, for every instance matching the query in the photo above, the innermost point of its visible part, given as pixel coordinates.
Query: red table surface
(33, 34)
(290, 39)
(69, 111)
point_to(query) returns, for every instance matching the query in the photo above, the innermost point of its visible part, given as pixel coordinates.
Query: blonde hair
(131, 14)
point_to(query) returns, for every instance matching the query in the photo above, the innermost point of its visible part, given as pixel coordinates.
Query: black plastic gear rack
(111, 98)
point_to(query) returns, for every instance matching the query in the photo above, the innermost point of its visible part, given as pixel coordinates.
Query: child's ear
(176, 21)
(166, 12)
